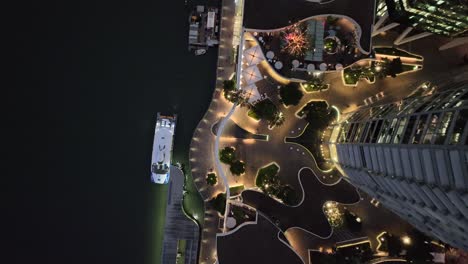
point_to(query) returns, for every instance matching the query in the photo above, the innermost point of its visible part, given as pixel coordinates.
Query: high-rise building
(423, 18)
(412, 156)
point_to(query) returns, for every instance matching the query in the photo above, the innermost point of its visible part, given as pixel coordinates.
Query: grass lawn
(314, 87)
(253, 115)
(193, 203)
(158, 218)
(351, 76)
(269, 182)
(181, 245)
(236, 190)
(408, 67)
(265, 173)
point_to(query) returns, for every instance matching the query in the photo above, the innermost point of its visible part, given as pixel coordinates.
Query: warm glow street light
(406, 240)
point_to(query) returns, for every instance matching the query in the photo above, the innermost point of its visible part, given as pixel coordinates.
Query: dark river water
(110, 68)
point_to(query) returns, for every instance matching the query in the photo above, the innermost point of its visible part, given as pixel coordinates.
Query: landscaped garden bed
(354, 253)
(395, 52)
(269, 182)
(211, 179)
(334, 215)
(219, 203)
(331, 44)
(376, 69)
(241, 214)
(413, 247)
(352, 221)
(227, 155)
(320, 43)
(237, 167)
(192, 203)
(251, 113)
(265, 174)
(352, 75)
(314, 85)
(236, 190)
(181, 246)
(290, 94)
(319, 116)
(266, 110)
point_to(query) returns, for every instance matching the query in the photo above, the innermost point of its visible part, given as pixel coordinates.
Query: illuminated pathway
(202, 148)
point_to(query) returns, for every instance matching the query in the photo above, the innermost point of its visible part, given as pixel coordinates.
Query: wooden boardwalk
(178, 226)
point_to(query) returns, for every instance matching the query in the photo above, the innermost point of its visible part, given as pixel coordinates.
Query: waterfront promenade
(201, 152)
(291, 158)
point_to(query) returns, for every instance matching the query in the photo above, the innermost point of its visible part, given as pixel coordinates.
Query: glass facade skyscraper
(442, 17)
(412, 155)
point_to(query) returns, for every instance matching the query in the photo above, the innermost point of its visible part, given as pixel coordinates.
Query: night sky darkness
(101, 71)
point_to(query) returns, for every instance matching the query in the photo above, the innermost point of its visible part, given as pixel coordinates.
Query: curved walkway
(256, 243)
(308, 215)
(203, 142)
(218, 163)
(203, 148)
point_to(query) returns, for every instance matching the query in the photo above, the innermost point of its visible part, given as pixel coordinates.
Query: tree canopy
(211, 179)
(393, 67)
(237, 167)
(229, 85)
(219, 203)
(318, 114)
(227, 155)
(265, 109)
(290, 94)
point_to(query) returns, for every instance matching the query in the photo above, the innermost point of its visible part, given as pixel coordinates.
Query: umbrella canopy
(253, 55)
(251, 75)
(270, 54)
(323, 66)
(295, 63)
(252, 93)
(278, 65)
(230, 222)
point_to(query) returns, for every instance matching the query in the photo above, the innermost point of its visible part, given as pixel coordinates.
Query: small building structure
(203, 28)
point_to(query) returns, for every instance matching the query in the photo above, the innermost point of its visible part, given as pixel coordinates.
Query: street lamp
(406, 240)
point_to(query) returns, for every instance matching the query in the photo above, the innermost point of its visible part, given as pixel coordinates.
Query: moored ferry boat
(162, 148)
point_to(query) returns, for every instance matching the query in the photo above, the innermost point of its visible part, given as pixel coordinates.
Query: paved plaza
(308, 214)
(255, 243)
(291, 158)
(273, 14)
(374, 221)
